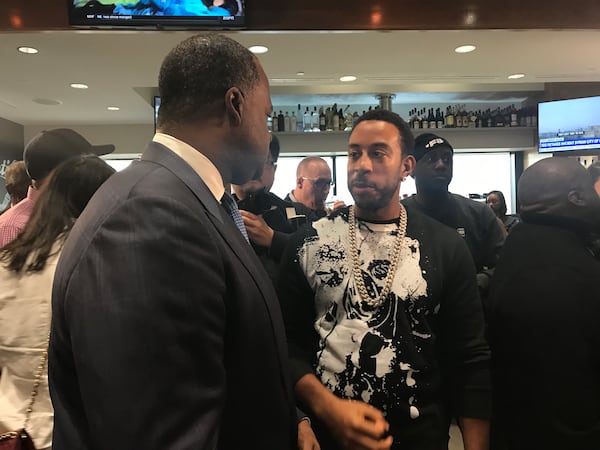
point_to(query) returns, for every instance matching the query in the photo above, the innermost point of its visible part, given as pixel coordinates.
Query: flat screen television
(156, 107)
(569, 126)
(181, 14)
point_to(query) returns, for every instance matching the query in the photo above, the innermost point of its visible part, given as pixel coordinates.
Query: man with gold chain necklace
(383, 318)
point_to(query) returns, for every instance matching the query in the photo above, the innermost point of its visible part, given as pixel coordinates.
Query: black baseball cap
(429, 141)
(49, 148)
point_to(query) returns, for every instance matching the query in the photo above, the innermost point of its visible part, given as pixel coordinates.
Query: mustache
(362, 182)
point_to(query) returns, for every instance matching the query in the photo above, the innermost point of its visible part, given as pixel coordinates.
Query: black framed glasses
(320, 182)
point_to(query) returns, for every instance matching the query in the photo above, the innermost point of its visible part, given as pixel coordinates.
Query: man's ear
(234, 105)
(408, 165)
(577, 198)
(299, 181)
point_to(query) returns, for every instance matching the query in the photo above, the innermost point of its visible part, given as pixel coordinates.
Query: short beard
(384, 198)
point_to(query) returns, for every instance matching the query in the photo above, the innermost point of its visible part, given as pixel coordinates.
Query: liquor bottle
(458, 117)
(523, 117)
(472, 119)
(439, 118)
(450, 117)
(322, 120)
(335, 121)
(514, 119)
(314, 119)
(532, 116)
(355, 117)
(431, 119)
(506, 117)
(342, 122)
(328, 120)
(479, 123)
(423, 119)
(280, 122)
(306, 121)
(299, 122)
(499, 118)
(293, 122)
(349, 122)
(286, 122)
(274, 122)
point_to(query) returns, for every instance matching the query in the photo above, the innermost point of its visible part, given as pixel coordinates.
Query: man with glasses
(313, 181)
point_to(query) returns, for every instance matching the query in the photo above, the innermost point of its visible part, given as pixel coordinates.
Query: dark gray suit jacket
(166, 332)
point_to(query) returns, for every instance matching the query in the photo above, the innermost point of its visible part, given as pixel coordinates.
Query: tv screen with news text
(569, 125)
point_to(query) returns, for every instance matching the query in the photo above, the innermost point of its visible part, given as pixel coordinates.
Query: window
(474, 173)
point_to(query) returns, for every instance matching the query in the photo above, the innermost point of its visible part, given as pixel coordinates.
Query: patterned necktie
(231, 207)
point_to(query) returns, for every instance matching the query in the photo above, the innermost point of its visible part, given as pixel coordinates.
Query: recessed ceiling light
(28, 50)
(300, 73)
(113, 108)
(516, 76)
(79, 86)
(465, 49)
(347, 78)
(258, 49)
(47, 101)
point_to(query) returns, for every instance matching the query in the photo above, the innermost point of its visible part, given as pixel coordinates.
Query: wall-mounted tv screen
(569, 125)
(156, 107)
(186, 14)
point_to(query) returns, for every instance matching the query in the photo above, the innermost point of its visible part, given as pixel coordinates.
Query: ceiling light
(300, 73)
(28, 50)
(465, 49)
(516, 76)
(258, 49)
(347, 78)
(47, 101)
(79, 86)
(113, 108)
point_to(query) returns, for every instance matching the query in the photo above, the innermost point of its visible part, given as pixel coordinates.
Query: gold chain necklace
(395, 257)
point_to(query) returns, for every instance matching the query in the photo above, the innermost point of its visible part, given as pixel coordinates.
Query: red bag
(16, 440)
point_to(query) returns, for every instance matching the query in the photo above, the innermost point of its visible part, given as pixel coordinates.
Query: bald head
(313, 180)
(558, 188)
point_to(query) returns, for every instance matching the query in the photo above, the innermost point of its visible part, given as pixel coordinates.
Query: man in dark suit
(166, 330)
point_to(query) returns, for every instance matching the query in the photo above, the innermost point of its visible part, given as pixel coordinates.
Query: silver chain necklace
(395, 257)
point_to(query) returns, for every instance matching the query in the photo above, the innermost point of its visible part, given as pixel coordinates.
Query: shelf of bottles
(324, 119)
(458, 117)
(334, 118)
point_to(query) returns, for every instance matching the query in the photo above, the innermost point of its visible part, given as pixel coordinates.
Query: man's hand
(306, 438)
(358, 426)
(258, 231)
(338, 204)
(355, 425)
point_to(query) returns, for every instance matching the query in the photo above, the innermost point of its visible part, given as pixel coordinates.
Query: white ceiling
(121, 68)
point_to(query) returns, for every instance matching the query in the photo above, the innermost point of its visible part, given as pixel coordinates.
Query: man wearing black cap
(543, 315)
(474, 221)
(42, 154)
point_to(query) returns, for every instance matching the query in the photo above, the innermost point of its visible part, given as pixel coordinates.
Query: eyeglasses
(319, 182)
(270, 163)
